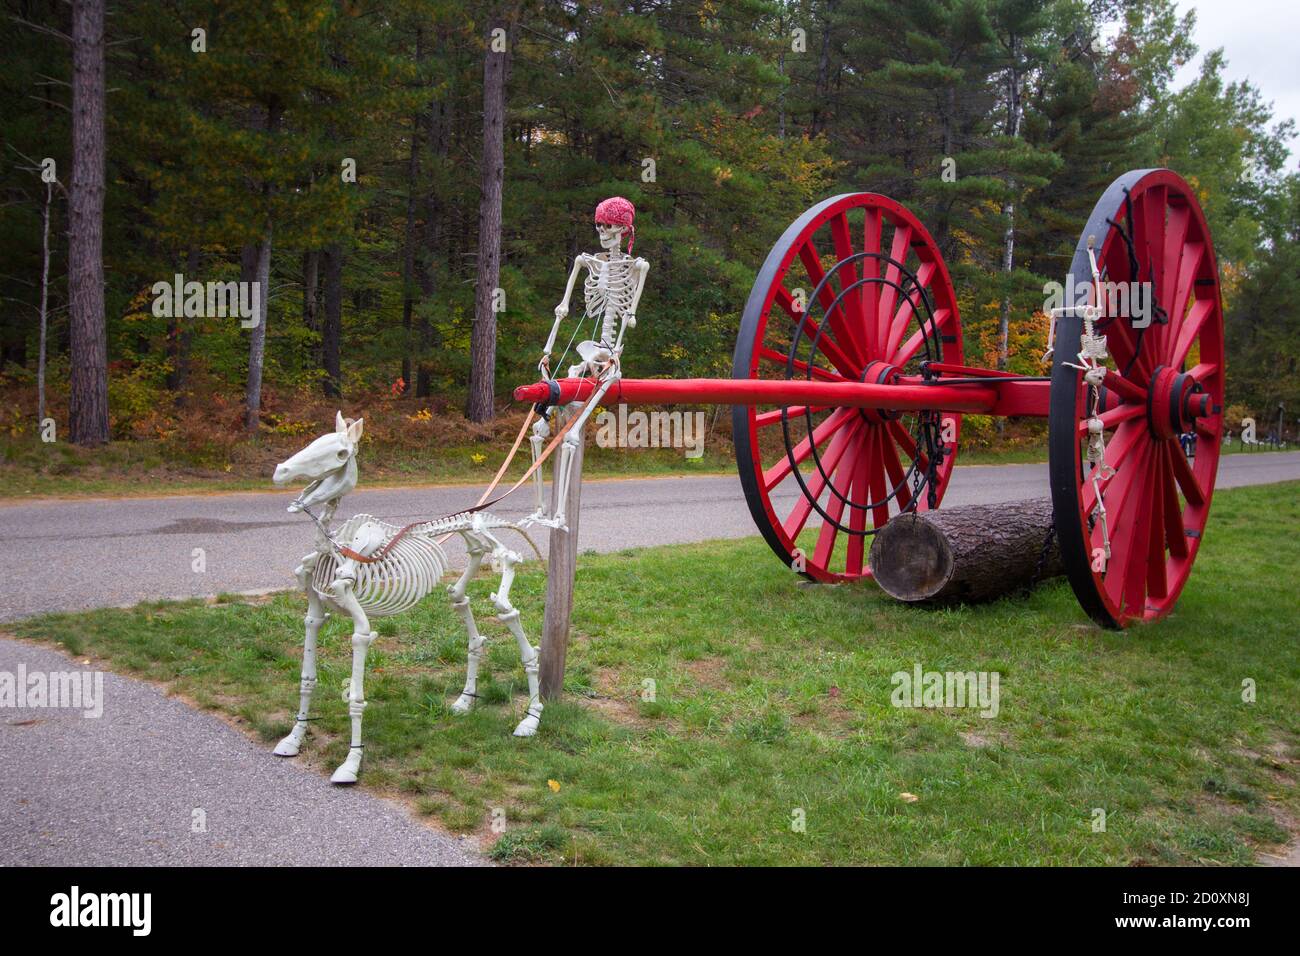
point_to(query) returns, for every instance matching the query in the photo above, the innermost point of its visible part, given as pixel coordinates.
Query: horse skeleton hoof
(287, 748)
(464, 704)
(348, 770)
(527, 727)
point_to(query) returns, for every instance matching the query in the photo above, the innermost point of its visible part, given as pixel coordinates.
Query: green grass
(773, 697)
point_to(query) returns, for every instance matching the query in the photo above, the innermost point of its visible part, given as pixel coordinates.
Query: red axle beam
(1010, 398)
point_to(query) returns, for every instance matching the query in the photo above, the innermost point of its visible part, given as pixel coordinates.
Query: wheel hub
(881, 373)
(1174, 401)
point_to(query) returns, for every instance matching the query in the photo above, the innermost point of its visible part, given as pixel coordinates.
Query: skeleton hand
(544, 366)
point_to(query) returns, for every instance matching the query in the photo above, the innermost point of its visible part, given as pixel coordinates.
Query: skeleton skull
(611, 237)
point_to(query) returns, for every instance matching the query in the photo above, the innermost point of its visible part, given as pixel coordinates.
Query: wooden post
(562, 566)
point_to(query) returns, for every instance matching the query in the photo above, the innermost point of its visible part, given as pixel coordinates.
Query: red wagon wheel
(1163, 437)
(854, 290)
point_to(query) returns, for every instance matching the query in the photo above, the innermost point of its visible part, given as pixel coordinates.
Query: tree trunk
(332, 327)
(434, 233)
(409, 238)
(88, 398)
(45, 303)
(822, 89)
(257, 336)
(1009, 213)
(968, 554)
(310, 289)
(483, 338)
(180, 335)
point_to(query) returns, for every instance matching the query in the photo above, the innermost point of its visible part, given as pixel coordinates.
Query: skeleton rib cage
(608, 290)
(408, 571)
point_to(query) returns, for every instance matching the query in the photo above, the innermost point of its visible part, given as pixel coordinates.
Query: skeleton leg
(508, 615)
(362, 638)
(289, 746)
(541, 432)
(460, 603)
(569, 447)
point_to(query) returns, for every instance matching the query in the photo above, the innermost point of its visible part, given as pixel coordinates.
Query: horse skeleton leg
(290, 745)
(508, 615)
(460, 603)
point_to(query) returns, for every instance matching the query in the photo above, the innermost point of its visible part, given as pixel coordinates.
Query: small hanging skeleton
(611, 290)
(1092, 362)
(370, 568)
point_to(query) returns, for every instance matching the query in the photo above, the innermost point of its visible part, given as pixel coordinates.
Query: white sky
(1259, 42)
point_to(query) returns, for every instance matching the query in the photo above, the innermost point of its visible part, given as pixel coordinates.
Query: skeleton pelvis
(407, 572)
(593, 353)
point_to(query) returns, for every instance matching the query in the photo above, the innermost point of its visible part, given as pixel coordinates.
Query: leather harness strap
(483, 503)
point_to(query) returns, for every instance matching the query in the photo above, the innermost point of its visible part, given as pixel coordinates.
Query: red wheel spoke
(907, 308)
(1121, 517)
(1189, 331)
(1166, 252)
(905, 441)
(1123, 340)
(846, 365)
(817, 483)
(860, 494)
(871, 229)
(897, 476)
(764, 419)
(913, 343)
(879, 486)
(839, 321)
(1175, 254)
(781, 470)
(1175, 537)
(889, 292)
(1193, 253)
(855, 320)
(1204, 372)
(783, 359)
(1187, 479)
(1157, 585)
(1114, 417)
(835, 502)
(1120, 446)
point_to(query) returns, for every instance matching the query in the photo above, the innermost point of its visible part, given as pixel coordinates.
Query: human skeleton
(611, 291)
(369, 568)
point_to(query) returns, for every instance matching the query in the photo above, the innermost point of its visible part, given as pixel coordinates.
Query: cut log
(968, 554)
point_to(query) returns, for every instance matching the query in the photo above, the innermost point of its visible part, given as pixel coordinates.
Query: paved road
(123, 788)
(76, 554)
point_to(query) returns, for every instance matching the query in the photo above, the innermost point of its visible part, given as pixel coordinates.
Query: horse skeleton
(390, 573)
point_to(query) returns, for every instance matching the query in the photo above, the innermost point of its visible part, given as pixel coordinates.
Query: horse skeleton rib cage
(408, 567)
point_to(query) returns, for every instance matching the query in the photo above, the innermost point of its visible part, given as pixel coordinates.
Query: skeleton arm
(629, 317)
(561, 311)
